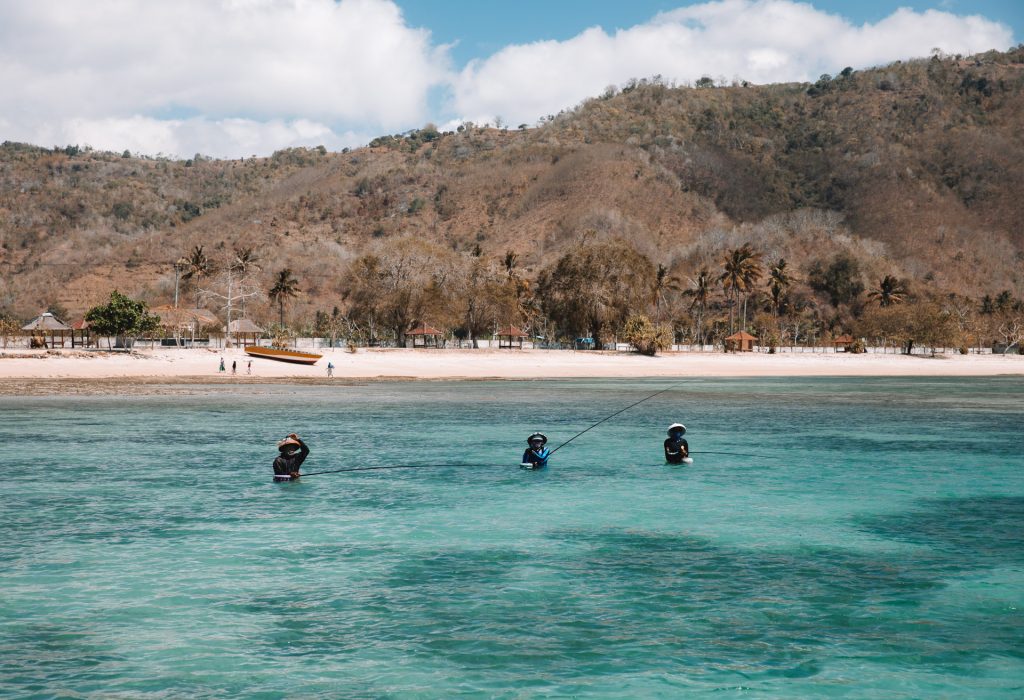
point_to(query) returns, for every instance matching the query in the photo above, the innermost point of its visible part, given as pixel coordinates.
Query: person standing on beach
(234, 366)
(330, 369)
(248, 369)
(221, 369)
(536, 455)
(677, 448)
(293, 452)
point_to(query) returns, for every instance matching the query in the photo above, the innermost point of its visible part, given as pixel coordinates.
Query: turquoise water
(879, 554)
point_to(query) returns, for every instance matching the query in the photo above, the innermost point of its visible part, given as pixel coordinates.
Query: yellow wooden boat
(302, 358)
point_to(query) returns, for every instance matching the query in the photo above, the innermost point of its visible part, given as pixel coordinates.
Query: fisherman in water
(676, 447)
(536, 455)
(293, 452)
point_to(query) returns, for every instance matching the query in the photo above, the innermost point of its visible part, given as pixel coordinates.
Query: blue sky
(480, 28)
(248, 77)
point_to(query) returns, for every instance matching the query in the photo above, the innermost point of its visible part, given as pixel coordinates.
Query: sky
(235, 78)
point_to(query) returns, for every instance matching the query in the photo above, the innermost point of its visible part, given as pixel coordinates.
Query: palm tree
(285, 287)
(779, 281)
(509, 261)
(890, 291)
(700, 293)
(663, 282)
(741, 270)
(245, 263)
(198, 265)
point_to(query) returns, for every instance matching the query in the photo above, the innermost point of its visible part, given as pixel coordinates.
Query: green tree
(663, 284)
(779, 282)
(285, 288)
(840, 280)
(741, 269)
(700, 291)
(646, 337)
(595, 286)
(197, 266)
(890, 291)
(122, 317)
(509, 262)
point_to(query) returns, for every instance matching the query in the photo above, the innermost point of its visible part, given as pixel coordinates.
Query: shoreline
(81, 371)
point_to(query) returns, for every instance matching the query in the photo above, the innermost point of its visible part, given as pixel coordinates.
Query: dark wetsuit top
(284, 465)
(676, 450)
(537, 459)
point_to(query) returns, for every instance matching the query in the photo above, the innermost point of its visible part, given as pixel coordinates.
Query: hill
(912, 169)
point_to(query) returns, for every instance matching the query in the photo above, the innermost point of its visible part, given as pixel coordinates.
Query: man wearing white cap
(293, 452)
(677, 450)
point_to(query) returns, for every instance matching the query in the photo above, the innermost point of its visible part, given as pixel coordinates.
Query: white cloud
(225, 77)
(237, 77)
(760, 41)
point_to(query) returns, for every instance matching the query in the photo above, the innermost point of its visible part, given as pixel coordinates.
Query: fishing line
(657, 393)
(387, 466)
(732, 454)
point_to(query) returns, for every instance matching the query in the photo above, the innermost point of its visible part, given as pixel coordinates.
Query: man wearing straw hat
(293, 452)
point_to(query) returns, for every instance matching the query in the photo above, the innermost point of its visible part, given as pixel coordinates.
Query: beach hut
(740, 342)
(509, 336)
(244, 331)
(843, 342)
(183, 323)
(47, 323)
(424, 336)
(81, 328)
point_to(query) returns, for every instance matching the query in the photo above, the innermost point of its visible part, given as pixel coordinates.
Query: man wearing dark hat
(293, 452)
(676, 448)
(536, 455)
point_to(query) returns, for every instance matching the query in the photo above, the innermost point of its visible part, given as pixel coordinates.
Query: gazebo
(509, 336)
(844, 341)
(424, 336)
(179, 322)
(47, 323)
(81, 327)
(242, 330)
(740, 342)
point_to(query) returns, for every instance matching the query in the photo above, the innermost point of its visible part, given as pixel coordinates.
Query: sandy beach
(178, 366)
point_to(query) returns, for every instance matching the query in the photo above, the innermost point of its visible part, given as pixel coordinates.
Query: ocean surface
(865, 540)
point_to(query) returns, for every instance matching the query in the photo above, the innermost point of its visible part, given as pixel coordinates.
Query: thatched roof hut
(740, 342)
(179, 322)
(844, 341)
(80, 328)
(47, 323)
(245, 331)
(510, 335)
(425, 336)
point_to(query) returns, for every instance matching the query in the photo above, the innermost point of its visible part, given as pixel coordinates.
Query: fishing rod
(648, 398)
(387, 466)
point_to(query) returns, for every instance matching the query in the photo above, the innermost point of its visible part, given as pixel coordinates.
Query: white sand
(196, 365)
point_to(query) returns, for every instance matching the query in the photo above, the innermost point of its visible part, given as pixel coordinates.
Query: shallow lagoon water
(875, 550)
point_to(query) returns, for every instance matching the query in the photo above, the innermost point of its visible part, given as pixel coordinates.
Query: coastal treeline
(600, 289)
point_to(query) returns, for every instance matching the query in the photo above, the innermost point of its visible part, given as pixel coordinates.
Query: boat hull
(299, 358)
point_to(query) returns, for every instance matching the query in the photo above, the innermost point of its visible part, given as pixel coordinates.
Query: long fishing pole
(386, 466)
(657, 393)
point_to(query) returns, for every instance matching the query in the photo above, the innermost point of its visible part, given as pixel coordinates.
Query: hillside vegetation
(911, 170)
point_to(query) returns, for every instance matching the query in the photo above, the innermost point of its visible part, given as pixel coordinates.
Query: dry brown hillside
(915, 169)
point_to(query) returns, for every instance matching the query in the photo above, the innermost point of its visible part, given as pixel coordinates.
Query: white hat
(676, 426)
